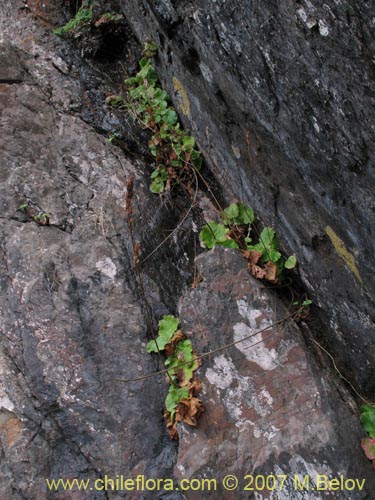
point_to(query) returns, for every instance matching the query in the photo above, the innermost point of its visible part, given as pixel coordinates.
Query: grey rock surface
(73, 317)
(271, 411)
(280, 98)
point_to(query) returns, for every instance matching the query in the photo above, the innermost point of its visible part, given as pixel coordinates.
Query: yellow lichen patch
(10, 429)
(184, 103)
(343, 252)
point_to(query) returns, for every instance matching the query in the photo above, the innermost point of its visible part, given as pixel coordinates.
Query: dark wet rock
(269, 408)
(74, 318)
(280, 98)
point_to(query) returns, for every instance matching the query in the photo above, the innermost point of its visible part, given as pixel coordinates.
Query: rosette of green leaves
(269, 248)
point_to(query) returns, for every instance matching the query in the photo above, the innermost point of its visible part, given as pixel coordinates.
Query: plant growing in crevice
(172, 147)
(182, 403)
(34, 214)
(85, 17)
(368, 423)
(265, 260)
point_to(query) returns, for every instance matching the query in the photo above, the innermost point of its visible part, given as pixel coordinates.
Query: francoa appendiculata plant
(172, 147)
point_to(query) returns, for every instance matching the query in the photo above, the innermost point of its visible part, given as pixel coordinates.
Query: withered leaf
(171, 426)
(195, 386)
(271, 270)
(196, 281)
(252, 256)
(170, 347)
(189, 410)
(256, 271)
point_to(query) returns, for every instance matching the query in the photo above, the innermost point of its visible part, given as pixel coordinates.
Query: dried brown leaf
(252, 256)
(196, 281)
(189, 410)
(102, 20)
(171, 426)
(170, 347)
(271, 271)
(256, 271)
(195, 386)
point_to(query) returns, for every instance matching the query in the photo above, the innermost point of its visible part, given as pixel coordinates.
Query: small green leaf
(188, 143)
(290, 262)
(129, 82)
(150, 49)
(246, 214)
(170, 117)
(267, 237)
(307, 302)
(182, 362)
(213, 233)
(257, 248)
(229, 243)
(196, 159)
(274, 256)
(368, 419)
(230, 213)
(167, 327)
(174, 396)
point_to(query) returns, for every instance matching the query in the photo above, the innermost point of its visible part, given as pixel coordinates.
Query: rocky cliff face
(280, 97)
(76, 315)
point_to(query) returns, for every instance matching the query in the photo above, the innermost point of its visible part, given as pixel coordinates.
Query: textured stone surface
(270, 410)
(73, 318)
(280, 98)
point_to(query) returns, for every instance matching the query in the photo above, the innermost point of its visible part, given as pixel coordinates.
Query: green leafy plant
(150, 49)
(183, 353)
(113, 137)
(167, 328)
(214, 233)
(111, 17)
(368, 423)
(116, 101)
(368, 419)
(174, 397)
(238, 213)
(268, 247)
(304, 303)
(234, 230)
(181, 363)
(41, 218)
(83, 17)
(173, 148)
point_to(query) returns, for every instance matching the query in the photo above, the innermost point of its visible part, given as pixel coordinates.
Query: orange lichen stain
(10, 429)
(344, 253)
(184, 102)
